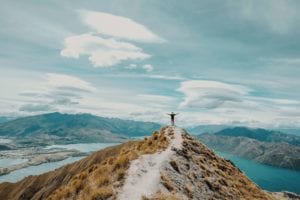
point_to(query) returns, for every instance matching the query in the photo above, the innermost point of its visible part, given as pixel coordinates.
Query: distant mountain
(211, 128)
(168, 165)
(260, 134)
(268, 147)
(73, 128)
(294, 131)
(4, 119)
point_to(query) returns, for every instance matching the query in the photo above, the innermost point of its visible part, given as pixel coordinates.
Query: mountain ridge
(190, 171)
(260, 134)
(73, 128)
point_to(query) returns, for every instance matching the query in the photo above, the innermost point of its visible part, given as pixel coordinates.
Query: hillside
(78, 128)
(168, 165)
(4, 119)
(270, 153)
(213, 128)
(260, 135)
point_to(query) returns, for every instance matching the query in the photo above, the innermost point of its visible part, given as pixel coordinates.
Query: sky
(214, 62)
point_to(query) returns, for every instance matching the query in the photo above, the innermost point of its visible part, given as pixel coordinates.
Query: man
(172, 115)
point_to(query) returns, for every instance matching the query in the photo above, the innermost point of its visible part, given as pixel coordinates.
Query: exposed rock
(285, 196)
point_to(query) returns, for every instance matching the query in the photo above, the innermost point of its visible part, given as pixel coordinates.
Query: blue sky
(215, 62)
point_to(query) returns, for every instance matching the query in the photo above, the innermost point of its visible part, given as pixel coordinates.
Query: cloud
(67, 82)
(118, 26)
(131, 66)
(279, 17)
(102, 52)
(33, 108)
(164, 77)
(106, 47)
(224, 103)
(210, 94)
(148, 68)
(57, 92)
(64, 100)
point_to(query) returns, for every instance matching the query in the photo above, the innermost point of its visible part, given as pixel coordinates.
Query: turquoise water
(267, 177)
(6, 162)
(36, 170)
(83, 147)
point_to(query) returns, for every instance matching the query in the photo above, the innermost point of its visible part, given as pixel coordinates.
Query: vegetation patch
(103, 180)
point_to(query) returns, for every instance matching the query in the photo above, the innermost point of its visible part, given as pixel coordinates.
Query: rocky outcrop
(285, 196)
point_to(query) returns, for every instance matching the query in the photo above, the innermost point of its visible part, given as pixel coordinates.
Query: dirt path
(144, 173)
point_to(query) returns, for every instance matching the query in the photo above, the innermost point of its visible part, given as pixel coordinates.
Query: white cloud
(118, 26)
(67, 81)
(148, 67)
(210, 94)
(131, 66)
(164, 77)
(108, 47)
(102, 52)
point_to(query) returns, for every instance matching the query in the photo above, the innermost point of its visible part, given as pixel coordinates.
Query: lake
(36, 170)
(82, 147)
(5, 162)
(267, 177)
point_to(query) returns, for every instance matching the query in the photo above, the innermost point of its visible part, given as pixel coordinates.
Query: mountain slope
(78, 128)
(210, 128)
(275, 154)
(168, 165)
(4, 119)
(260, 135)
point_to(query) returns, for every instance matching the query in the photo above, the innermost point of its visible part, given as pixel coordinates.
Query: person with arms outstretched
(172, 115)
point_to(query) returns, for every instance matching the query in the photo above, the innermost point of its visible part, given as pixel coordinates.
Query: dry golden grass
(220, 175)
(103, 179)
(101, 193)
(162, 196)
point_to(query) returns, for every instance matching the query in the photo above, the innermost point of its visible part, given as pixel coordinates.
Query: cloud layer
(56, 92)
(210, 94)
(225, 103)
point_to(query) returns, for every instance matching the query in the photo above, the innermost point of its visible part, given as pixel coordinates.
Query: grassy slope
(88, 178)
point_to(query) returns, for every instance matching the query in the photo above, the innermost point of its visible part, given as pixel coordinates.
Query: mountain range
(58, 128)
